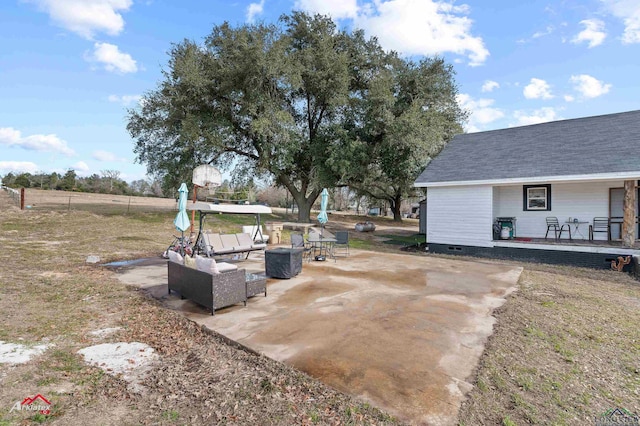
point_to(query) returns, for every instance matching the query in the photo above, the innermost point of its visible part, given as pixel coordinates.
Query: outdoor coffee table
(283, 262)
(256, 284)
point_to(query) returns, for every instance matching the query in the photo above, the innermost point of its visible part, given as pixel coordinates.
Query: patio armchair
(553, 224)
(297, 241)
(601, 225)
(342, 243)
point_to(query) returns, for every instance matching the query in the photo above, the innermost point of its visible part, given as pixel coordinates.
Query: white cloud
(126, 100)
(86, 17)
(112, 59)
(569, 98)
(18, 167)
(593, 33)
(81, 166)
(490, 85)
(338, 9)
(42, 143)
(538, 34)
(541, 115)
(482, 112)
(588, 86)
(107, 156)
(411, 27)
(629, 12)
(546, 32)
(254, 9)
(537, 89)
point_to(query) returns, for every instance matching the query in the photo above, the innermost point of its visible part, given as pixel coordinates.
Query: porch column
(629, 221)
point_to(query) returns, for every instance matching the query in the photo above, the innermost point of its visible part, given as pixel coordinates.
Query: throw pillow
(175, 257)
(207, 265)
(189, 262)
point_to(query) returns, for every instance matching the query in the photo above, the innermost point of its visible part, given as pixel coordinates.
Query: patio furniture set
(600, 225)
(216, 285)
(320, 245)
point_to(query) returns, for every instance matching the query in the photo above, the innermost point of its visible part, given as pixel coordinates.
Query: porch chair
(342, 243)
(297, 241)
(553, 224)
(602, 225)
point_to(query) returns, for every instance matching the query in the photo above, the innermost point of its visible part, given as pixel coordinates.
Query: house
(578, 169)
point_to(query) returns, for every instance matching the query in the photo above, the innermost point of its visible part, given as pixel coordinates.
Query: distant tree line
(107, 182)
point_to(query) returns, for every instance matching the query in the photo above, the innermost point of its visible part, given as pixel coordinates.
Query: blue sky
(70, 68)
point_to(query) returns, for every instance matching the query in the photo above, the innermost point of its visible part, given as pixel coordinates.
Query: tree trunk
(396, 205)
(629, 221)
(303, 200)
(304, 209)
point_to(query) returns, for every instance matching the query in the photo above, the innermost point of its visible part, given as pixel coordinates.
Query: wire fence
(39, 199)
(14, 194)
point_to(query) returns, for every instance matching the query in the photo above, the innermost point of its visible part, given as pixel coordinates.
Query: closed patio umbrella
(181, 221)
(322, 217)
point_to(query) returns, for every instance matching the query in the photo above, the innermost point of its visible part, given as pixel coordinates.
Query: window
(536, 197)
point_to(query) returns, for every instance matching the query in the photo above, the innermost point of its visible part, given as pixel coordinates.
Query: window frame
(526, 199)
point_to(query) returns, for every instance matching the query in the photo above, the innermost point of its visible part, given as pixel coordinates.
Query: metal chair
(342, 243)
(297, 241)
(602, 225)
(553, 224)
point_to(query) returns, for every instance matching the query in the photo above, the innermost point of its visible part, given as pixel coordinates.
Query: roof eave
(535, 179)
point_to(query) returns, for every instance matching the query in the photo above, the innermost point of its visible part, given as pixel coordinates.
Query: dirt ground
(565, 346)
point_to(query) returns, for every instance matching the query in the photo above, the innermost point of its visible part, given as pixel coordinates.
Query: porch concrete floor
(402, 332)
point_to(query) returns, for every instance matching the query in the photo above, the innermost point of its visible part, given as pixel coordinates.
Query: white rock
(15, 353)
(131, 360)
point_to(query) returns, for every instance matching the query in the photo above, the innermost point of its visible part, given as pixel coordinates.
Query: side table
(256, 284)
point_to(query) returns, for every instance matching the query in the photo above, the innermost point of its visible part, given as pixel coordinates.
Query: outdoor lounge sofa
(211, 290)
(228, 244)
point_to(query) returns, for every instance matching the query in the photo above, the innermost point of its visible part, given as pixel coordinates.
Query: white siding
(460, 215)
(582, 200)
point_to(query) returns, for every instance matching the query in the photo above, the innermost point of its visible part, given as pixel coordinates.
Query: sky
(69, 69)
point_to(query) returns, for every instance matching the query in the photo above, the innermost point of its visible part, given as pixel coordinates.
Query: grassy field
(566, 345)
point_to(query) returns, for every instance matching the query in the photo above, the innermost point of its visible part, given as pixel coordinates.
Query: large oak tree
(302, 102)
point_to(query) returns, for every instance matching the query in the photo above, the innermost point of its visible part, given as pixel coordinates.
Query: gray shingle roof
(582, 146)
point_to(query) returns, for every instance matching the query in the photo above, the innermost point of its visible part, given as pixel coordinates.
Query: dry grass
(566, 345)
(565, 349)
(48, 294)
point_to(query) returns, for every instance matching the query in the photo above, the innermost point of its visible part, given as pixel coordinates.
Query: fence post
(69, 206)
(21, 198)
(129, 205)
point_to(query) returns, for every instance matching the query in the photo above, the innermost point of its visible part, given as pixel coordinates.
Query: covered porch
(575, 205)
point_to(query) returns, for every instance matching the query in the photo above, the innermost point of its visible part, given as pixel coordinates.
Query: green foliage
(302, 102)
(170, 415)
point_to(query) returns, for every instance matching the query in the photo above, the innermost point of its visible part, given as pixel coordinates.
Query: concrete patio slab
(403, 332)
